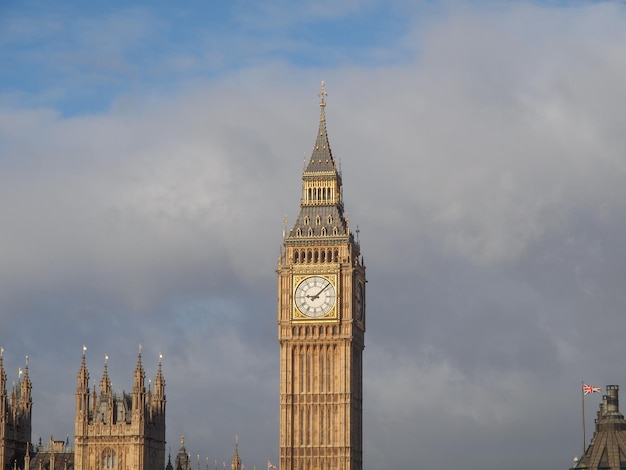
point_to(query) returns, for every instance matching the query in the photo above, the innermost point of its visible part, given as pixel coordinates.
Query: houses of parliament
(321, 326)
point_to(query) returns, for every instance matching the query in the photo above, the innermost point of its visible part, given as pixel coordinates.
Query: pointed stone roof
(83, 373)
(182, 461)
(235, 463)
(321, 206)
(322, 156)
(159, 381)
(607, 449)
(105, 381)
(3, 375)
(26, 386)
(139, 374)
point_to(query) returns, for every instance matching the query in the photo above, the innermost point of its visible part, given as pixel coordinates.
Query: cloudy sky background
(149, 154)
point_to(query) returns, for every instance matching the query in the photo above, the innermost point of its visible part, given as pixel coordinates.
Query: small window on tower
(318, 220)
(109, 459)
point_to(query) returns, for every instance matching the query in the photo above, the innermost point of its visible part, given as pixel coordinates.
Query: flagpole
(582, 394)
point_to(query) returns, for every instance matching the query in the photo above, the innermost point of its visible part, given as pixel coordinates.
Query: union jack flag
(589, 389)
(270, 465)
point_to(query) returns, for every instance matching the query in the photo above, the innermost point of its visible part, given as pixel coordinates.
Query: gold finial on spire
(106, 359)
(1, 351)
(26, 360)
(322, 94)
(84, 350)
(140, 349)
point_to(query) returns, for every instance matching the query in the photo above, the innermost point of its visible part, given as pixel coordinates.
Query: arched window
(318, 220)
(298, 232)
(310, 232)
(330, 219)
(109, 459)
(306, 220)
(323, 230)
(296, 256)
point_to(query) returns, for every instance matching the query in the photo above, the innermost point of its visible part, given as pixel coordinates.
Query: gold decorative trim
(332, 315)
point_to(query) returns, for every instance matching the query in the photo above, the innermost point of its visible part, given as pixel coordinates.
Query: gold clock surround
(331, 314)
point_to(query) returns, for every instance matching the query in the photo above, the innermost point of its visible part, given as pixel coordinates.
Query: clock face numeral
(315, 296)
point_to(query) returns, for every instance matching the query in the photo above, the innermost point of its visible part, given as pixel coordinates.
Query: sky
(150, 151)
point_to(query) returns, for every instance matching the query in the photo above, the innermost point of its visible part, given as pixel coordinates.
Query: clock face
(359, 301)
(315, 296)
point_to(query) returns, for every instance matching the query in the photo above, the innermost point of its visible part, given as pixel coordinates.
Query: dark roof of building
(322, 156)
(607, 449)
(323, 215)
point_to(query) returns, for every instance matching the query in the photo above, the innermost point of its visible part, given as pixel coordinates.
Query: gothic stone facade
(120, 431)
(15, 418)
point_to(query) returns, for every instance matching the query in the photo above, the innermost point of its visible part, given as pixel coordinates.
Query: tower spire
(140, 375)
(236, 462)
(159, 381)
(3, 375)
(322, 156)
(105, 382)
(322, 94)
(321, 202)
(26, 387)
(83, 374)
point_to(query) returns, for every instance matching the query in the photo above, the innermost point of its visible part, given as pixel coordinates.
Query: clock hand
(313, 297)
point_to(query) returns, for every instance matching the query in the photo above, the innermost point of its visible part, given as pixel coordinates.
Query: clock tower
(321, 325)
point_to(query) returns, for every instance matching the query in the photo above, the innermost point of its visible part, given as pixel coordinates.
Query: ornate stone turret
(607, 449)
(235, 464)
(25, 399)
(105, 382)
(139, 390)
(182, 461)
(15, 417)
(82, 397)
(158, 403)
(120, 430)
(3, 388)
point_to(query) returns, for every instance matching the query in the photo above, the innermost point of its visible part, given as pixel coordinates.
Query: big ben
(321, 324)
